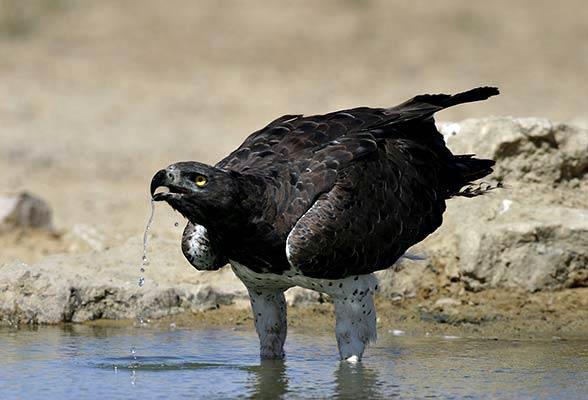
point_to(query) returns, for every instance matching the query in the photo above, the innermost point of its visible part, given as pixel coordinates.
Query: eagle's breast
(199, 250)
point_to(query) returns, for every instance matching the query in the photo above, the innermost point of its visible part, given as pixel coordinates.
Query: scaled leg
(269, 313)
(356, 324)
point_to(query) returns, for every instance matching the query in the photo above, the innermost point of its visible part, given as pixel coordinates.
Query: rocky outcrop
(507, 242)
(528, 151)
(533, 232)
(104, 284)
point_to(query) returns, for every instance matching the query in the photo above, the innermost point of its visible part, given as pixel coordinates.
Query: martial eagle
(322, 202)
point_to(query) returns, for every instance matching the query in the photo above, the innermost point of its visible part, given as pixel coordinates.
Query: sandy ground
(97, 96)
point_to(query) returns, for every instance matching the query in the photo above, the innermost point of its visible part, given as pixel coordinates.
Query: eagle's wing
(389, 198)
(373, 213)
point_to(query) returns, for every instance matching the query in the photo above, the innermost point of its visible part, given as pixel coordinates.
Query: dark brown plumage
(321, 202)
(351, 191)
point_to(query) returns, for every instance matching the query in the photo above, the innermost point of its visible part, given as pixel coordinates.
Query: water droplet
(145, 234)
(141, 281)
(176, 224)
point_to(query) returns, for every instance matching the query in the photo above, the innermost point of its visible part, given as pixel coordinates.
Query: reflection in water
(357, 381)
(352, 381)
(271, 381)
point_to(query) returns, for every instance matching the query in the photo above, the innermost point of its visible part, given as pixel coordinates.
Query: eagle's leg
(356, 323)
(269, 314)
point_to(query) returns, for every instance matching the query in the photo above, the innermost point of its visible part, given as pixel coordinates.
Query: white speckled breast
(198, 250)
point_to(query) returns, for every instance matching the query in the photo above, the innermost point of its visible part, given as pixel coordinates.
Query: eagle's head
(200, 192)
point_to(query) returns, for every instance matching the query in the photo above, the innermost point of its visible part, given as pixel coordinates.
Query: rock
(64, 288)
(24, 211)
(299, 297)
(529, 247)
(455, 318)
(527, 150)
(533, 233)
(434, 316)
(405, 278)
(447, 302)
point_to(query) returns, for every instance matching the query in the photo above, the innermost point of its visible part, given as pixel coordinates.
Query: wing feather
(374, 212)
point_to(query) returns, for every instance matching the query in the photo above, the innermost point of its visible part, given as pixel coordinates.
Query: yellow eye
(201, 181)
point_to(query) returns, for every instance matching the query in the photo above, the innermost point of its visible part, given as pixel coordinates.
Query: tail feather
(415, 116)
(473, 168)
(477, 189)
(448, 100)
(425, 105)
(467, 169)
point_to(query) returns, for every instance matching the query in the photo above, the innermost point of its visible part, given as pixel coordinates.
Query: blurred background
(95, 96)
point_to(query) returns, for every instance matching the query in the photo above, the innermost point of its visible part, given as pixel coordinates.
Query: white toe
(352, 359)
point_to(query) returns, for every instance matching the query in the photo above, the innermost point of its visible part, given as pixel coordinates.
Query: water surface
(79, 361)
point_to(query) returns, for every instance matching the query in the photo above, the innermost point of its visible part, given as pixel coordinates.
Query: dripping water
(144, 261)
(142, 269)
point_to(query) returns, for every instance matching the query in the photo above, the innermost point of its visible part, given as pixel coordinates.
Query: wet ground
(186, 362)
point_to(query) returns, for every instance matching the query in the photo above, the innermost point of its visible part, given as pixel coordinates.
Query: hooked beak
(171, 179)
(160, 179)
(167, 178)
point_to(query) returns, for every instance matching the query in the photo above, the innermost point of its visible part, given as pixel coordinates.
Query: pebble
(447, 302)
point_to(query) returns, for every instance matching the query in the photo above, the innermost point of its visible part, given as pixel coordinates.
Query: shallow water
(95, 362)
